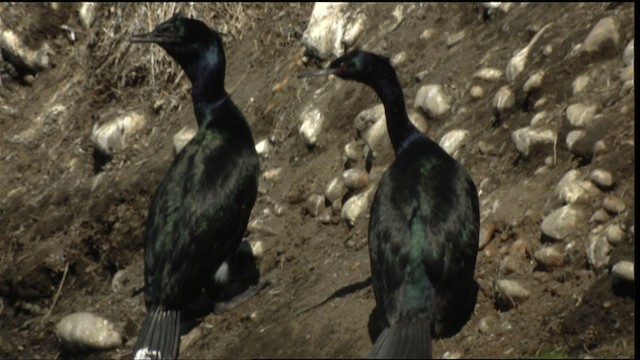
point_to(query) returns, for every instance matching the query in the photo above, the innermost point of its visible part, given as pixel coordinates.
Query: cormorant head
(189, 41)
(356, 65)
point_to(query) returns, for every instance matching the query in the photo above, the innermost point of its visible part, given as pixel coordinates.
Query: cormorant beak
(323, 72)
(152, 37)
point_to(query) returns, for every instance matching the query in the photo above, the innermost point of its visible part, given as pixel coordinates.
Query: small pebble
(504, 99)
(613, 205)
(355, 179)
(563, 222)
(600, 216)
(315, 204)
(476, 92)
(602, 178)
(605, 32)
(580, 83)
(581, 115)
(509, 265)
(624, 270)
(486, 234)
(549, 257)
(488, 74)
(615, 235)
(598, 250)
(628, 54)
(452, 141)
(335, 189)
(534, 82)
(510, 293)
(486, 324)
(432, 100)
(311, 120)
(182, 137)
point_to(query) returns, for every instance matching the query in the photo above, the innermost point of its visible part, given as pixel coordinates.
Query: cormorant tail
(409, 338)
(159, 337)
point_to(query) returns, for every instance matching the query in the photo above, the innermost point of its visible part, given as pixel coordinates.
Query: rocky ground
(536, 100)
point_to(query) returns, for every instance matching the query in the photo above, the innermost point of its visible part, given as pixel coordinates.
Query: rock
(528, 138)
(476, 92)
(315, 204)
(604, 33)
(83, 331)
(615, 234)
(125, 281)
(355, 27)
(356, 206)
(418, 121)
(504, 99)
(519, 249)
(452, 355)
(602, 178)
(324, 34)
(426, 34)
(399, 58)
(573, 137)
(488, 74)
(598, 250)
(335, 189)
(564, 221)
(257, 248)
(613, 204)
(369, 117)
(579, 84)
(432, 99)
(624, 270)
(628, 54)
(263, 147)
(182, 137)
(571, 190)
(272, 174)
(312, 120)
(486, 234)
(534, 82)
(353, 151)
(18, 53)
(510, 293)
(112, 136)
(509, 265)
(87, 14)
(377, 139)
(539, 119)
(600, 216)
(487, 323)
(452, 141)
(580, 115)
(355, 179)
(487, 148)
(453, 39)
(549, 257)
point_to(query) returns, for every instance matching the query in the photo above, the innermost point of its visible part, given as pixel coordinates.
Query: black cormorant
(423, 228)
(200, 211)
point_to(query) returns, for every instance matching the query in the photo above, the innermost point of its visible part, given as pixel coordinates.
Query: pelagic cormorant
(423, 228)
(200, 211)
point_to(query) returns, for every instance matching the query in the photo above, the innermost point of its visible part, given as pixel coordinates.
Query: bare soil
(70, 220)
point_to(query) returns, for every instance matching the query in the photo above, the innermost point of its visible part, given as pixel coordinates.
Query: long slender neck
(206, 73)
(388, 88)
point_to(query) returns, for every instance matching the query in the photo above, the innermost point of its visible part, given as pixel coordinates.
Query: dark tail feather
(159, 337)
(406, 339)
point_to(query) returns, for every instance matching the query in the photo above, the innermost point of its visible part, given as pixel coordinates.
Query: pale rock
(453, 39)
(549, 257)
(488, 74)
(452, 141)
(518, 62)
(353, 151)
(312, 120)
(573, 137)
(87, 14)
(357, 206)
(432, 99)
(504, 99)
(580, 115)
(615, 234)
(539, 119)
(83, 331)
(112, 136)
(580, 83)
(564, 221)
(628, 54)
(613, 204)
(355, 179)
(605, 31)
(510, 293)
(263, 147)
(368, 117)
(527, 138)
(325, 33)
(624, 270)
(18, 53)
(602, 178)
(534, 82)
(476, 92)
(598, 250)
(182, 137)
(335, 189)
(600, 216)
(315, 204)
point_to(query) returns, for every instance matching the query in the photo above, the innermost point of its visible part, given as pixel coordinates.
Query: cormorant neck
(206, 74)
(400, 129)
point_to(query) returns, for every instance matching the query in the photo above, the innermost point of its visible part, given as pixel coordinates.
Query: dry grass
(119, 64)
